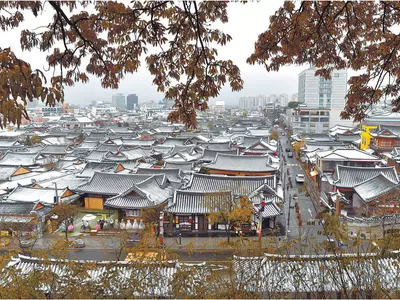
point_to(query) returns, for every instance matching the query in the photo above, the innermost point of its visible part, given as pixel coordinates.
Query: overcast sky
(246, 22)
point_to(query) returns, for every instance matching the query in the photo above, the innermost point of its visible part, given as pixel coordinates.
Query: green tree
(293, 104)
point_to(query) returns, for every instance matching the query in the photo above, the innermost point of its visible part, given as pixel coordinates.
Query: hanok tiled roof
(386, 131)
(174, 141)
(145, 194)
(349, 177)
(89, 145)
(260, 132)
(271, 209)
(312, 274)
(347, 137)
(109, 147)
(27, 194)
(111, 184)
(70, 181)
(157, 279)
(6, 172)
(222, 146)
(239, 185)
(91, 167)
(138, 142)
(346, 154)
(96, 156)
(10, 143)
(240, 163)
(248, 141)
(184, 166)
(173, 175)
(54, 149)
(209, 155)
(22, 208)
(18, 159)
(375, 187)
(189, 202)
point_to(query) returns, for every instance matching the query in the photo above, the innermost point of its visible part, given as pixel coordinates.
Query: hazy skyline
(246, 22)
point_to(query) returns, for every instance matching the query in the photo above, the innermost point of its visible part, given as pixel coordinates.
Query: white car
(300, 178)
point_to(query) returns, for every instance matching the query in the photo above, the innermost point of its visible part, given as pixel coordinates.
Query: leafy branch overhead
(110, 42)
(178, 41)
(331, 35)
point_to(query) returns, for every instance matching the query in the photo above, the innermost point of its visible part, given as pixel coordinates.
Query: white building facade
(317, 93)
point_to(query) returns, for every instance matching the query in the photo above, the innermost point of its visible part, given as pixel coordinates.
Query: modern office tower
(132, 101)
(118, 101)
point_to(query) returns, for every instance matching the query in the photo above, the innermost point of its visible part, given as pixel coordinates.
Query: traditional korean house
(377, 196)
(187, 211)
(239, 165)
(346, 179)
(44, 195)
(260, 148)
(385, 138)
(146, 194)
(23, 218)
(102, 186)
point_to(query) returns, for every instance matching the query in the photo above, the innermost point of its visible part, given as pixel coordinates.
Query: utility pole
(56, 191)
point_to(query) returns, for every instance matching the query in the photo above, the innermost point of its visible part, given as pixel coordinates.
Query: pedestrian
(101, 224)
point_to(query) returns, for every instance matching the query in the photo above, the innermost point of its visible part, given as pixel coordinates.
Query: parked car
(300, 178)
(290, 155)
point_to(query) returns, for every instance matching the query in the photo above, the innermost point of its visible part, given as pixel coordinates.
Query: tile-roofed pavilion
(240, 165)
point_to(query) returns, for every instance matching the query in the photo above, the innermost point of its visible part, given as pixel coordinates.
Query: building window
(312, 125)
(304, 119)
(314, 119)
(385, 143)
(183, 219)
(325, 125)
(324, 119)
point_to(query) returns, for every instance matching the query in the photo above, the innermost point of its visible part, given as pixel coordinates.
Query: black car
(287, 150)
(290, 155)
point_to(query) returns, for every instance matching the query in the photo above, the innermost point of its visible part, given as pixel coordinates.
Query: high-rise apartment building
(316, 92)
(118, 101)
(132, 101)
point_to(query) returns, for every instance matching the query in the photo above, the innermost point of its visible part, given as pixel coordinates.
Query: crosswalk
(292, 165)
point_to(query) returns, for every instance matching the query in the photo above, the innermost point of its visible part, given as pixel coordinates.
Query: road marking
(292, 165)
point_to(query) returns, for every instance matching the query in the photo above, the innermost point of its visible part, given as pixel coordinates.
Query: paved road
(307, 208)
